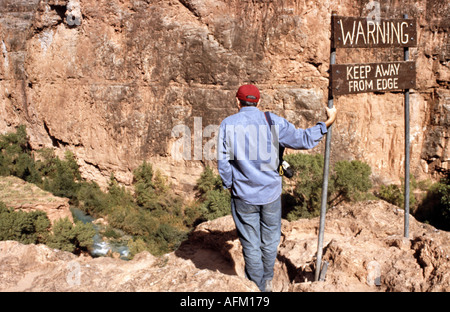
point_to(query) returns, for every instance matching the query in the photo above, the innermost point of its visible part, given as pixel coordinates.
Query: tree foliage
(435, 207)
(73, 238)
(16, 158)
(33, 228)
(395, 194)
(25, 227)
(349, 181)
(213, 198)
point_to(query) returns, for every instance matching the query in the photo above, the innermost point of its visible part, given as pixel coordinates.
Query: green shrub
(215, 204)
(214, 201)
(169, 237)
(154, 215)
(143, 186)
(392, 194)
(62, 177)
(25, 227)
(435, 207)
(33, 228)
(348, 181)
(306, 195)
(208, 181)
(71, 238)
(351, 181)
(395, 194)
(137, 245)
(91, 199)
(16, 158)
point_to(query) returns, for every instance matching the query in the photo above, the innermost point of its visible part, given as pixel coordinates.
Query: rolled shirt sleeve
(299, 139)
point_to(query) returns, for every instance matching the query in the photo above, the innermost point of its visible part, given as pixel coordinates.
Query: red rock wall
(111, 81)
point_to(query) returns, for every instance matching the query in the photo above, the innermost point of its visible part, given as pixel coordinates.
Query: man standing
(248, 163)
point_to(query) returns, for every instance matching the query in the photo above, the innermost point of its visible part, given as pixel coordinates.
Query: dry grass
(16, 192)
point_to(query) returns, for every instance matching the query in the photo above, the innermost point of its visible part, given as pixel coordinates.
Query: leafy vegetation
(33, 228)
(435, 207)
(395, 194)
(214, 199)
(27, 228)
(349, 181)
(153, 215)
(65, 236)
(16, 158)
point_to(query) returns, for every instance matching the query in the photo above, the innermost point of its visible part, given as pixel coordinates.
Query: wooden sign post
(357, 32)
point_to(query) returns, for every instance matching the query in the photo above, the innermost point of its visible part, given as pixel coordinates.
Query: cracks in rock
(314, 63)
(53, 13)
(55, 141)
(96, 166)
(60, 11)
(297, 275)
(189, 6)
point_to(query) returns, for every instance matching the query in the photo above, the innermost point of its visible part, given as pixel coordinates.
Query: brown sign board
(372, 77)
(360, 32)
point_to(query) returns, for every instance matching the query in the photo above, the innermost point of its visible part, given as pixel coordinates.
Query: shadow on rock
(211, 250)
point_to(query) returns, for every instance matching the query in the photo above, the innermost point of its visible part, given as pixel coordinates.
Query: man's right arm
(223, 159)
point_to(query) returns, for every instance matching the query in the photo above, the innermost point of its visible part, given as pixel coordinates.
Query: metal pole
(407, 156)
(326, 167)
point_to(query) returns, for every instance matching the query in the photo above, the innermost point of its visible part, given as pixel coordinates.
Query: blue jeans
(259, 231)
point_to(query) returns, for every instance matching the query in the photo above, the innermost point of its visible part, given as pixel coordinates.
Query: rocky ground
(363, 245)
(19, 194)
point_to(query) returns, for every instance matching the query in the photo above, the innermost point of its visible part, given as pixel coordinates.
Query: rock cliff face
(363, 245)
(110, 80)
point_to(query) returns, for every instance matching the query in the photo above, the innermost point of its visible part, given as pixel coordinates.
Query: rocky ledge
(363, 246)
(21, 195)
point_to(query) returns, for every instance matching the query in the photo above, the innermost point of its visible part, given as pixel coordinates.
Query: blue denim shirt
(248, 152)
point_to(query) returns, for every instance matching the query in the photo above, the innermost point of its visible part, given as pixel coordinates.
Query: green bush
(33, 228)
(25, 227)
(306, 196)
(91, 199)
(435, 207)
(62, 177)
(348, 181)
(208, 181)
(71, 238)
(143, 186)
(395, 194)
(214, 201)
(392, 194)
(153, 214)
(215, 204)
(16, 158)
(351, 181)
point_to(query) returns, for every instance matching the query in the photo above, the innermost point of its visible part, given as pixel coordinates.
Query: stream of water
(100, 246)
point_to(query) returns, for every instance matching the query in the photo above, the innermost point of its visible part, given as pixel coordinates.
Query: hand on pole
(331, 114)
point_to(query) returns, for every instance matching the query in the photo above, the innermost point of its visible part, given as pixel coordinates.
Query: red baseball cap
(249, 93)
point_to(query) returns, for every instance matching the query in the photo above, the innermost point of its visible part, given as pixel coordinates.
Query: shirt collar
(249, 109)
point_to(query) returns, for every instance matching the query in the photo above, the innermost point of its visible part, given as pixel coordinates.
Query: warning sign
(372, 77)
(358, 32)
